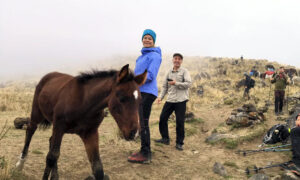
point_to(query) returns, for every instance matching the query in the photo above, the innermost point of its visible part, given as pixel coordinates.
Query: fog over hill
(41, 36)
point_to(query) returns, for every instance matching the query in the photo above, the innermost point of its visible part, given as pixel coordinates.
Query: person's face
(177, 61)
(281, 70)
(298, 118)
(148, 41)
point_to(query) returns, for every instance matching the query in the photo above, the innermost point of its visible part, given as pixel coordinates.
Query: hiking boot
(139, 158)
(163, 141)
(179, 147)
(276, 113)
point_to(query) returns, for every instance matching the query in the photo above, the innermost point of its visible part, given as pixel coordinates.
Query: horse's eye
(123, 99)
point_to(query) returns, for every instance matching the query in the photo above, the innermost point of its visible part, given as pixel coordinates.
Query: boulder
(19, 122)
(249, 108)
(220, 169)
(189, 116)
(217, 137)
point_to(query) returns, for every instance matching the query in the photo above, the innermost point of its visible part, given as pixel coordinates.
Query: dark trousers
(246, 93)
(144, 113)
(295, 138)
(167, 110)
(279, 96)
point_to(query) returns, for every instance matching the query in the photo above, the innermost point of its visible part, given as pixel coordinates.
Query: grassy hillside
(195, 162)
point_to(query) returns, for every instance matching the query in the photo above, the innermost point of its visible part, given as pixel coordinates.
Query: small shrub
(231, 143)
(196, 120)
(3, 108)
(231, 164)
(3, 163)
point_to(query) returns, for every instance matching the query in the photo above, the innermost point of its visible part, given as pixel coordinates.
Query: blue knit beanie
(151, 33)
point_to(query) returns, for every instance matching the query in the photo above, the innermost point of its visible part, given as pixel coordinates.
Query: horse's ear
(123, 73)
(141, 79)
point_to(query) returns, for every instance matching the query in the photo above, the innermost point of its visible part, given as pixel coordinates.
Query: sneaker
(179, 147)
(276, 113)
(163, 141)
(139, 158)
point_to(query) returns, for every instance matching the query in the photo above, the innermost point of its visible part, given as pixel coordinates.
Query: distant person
(249, 83)
(281, 81)
(150, 60)
(176, 85)
(242, 58)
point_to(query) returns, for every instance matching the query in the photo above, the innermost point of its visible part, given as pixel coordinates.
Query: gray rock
(217, 137)
(249, 108)
(220, 169)
(259, 177)
(20, 122)
(189, 116)
(241, 114)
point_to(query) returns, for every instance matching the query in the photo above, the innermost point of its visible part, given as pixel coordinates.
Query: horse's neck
(97, 92)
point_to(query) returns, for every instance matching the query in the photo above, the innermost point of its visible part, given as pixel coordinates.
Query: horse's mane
(84, 77)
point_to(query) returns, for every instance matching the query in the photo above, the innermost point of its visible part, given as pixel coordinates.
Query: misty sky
(50, 34)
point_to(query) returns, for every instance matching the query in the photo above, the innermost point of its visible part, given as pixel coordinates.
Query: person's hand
(158, 100)
(172, 82)
(298, 123)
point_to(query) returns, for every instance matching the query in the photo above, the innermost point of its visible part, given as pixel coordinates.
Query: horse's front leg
(53, 155)
(91, 143)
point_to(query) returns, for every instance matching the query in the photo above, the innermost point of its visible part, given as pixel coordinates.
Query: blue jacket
(150, 60)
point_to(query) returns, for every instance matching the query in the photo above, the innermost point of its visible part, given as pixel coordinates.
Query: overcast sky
(49, 34)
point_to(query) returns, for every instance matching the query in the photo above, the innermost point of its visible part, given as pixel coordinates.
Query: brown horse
(75, 105)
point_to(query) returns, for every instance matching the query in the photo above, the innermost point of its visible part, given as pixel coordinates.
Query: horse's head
(124, 101)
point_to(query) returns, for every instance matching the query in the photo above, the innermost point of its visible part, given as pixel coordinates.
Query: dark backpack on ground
(252, 83)
(277, 133)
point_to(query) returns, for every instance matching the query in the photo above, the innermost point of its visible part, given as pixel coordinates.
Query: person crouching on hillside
(176, 84)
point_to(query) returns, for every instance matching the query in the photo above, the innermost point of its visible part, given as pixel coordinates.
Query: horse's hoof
(20, 164)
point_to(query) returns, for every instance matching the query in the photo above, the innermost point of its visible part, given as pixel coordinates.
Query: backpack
(277, 133)
(252, 83)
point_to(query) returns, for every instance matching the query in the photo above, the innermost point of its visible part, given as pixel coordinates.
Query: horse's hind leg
(36, 117)
(53, 154)
(91, 143)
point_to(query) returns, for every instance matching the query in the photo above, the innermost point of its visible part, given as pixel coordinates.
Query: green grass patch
(231, 164)
(231, 143)
(37, 152)
(196, 120)
(3, 162)
(189, 131)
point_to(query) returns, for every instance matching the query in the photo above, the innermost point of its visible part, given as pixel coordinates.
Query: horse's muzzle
(132, 135)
